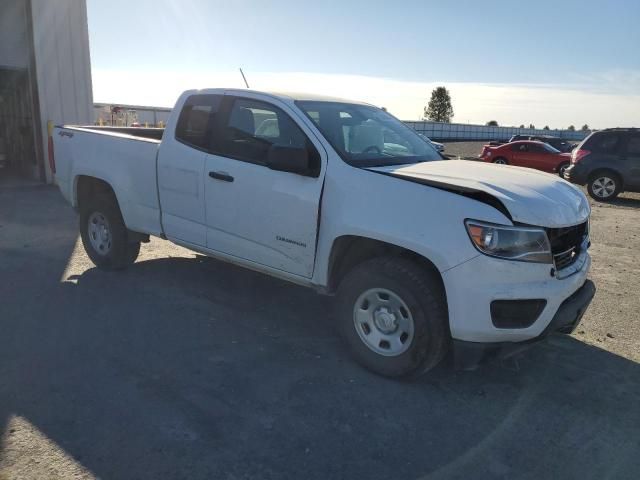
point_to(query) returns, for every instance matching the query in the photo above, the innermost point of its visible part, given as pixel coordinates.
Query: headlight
(525, 244)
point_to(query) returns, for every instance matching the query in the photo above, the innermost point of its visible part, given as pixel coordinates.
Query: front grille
(566, 243)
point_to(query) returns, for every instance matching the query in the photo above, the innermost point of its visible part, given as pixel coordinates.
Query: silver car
(438, 146)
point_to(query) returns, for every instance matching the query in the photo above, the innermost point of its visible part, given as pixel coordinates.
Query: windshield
(366, 136)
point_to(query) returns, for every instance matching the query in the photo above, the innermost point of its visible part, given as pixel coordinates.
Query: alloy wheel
(603, 187)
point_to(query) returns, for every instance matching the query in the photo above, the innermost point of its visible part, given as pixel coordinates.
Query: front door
(540, 158)
(252, 212)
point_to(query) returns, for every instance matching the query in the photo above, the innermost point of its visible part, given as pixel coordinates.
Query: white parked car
(438, 146)
(425, 256)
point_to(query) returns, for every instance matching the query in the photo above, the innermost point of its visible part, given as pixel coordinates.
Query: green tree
(585, 128)
(439, 108)
(492, 123)
(532, 126)
(521, 126)
(546, 127)
(571, 128)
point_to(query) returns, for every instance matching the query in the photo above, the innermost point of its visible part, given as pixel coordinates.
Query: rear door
(607, 151)
(632, 160)
(252, 212)
(181, 162)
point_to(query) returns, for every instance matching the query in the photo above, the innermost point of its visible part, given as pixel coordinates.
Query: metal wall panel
(460, 131)
(62, 64)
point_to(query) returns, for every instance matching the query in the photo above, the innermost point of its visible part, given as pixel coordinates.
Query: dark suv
(608, 162)
(556, 142)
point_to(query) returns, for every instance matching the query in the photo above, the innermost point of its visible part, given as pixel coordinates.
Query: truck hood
(529, 196)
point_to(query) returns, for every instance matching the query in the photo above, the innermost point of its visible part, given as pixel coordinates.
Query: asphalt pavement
(186, 367)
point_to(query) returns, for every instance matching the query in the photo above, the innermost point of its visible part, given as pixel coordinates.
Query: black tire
(423, 294)
(562, 167)
(600, 178)
(120, 251)
(500, 161)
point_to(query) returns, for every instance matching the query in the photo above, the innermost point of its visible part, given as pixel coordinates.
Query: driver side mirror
(288, 159)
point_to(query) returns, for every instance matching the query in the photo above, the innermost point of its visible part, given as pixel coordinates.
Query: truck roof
(286, 96)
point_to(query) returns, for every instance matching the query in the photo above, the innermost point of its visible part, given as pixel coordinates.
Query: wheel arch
(86, 186)
(601, 170)
(349, 251)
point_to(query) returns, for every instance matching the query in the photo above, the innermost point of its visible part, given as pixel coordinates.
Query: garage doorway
(18, 155)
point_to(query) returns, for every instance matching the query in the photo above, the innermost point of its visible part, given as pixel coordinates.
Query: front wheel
(393, 315)
(104, 234)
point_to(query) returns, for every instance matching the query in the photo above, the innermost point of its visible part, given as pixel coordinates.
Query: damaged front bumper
(468, 355)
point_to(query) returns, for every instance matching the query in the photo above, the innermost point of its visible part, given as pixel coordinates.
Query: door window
(521, 147)
(607, 143)
(533, 148)
(196, 120)
(633, 147)
(253, 127)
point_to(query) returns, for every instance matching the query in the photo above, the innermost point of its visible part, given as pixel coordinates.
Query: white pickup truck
(425, 255)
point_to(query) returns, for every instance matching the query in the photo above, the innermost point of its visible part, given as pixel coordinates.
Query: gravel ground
(463, 149)
(184, 367)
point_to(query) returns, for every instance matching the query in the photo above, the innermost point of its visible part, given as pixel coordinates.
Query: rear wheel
(393, 315)
(604, 186)
(104, 234)
(500, 161)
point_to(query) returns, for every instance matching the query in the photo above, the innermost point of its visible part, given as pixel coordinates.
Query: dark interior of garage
(17, 142)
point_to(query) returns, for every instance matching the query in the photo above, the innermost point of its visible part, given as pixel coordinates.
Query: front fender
(422, 219)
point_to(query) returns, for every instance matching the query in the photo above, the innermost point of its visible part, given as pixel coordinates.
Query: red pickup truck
(532, 154)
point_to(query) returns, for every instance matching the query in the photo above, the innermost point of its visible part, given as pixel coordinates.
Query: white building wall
(63, 65)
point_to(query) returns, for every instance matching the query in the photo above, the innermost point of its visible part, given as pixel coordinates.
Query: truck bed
(149, 133)
(125, 158)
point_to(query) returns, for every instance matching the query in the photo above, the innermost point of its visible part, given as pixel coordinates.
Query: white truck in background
(425, 255)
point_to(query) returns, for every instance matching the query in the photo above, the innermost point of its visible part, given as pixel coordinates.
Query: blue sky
(541, 50)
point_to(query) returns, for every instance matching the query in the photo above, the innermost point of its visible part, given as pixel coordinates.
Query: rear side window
(520, 147)
(196, 120)
(251, 129)
(604, 143)
(633, 147)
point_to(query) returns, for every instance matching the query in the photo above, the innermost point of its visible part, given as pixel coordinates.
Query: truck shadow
(189, 367)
